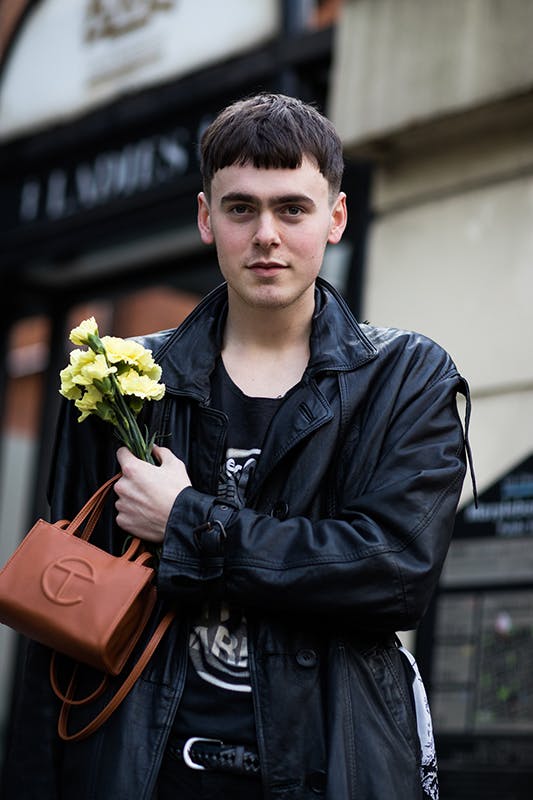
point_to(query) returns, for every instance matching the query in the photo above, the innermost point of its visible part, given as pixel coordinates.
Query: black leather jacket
(349, 520)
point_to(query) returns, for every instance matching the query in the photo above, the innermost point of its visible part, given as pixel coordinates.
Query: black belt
(212, 754)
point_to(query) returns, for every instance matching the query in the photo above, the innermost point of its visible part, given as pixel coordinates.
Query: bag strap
(119, 696)
(67, 698)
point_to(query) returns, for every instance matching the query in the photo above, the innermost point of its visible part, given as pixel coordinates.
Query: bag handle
(92, 509)
(122, 692)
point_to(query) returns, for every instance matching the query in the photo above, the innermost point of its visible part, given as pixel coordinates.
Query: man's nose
(266, 233)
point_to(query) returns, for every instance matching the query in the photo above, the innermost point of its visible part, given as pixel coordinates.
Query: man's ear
(339, 218)
(204, 220)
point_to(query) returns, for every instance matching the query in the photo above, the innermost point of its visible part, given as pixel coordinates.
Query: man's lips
(266, 267)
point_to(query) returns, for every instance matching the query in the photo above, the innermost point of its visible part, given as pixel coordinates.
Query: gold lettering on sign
(112, 18)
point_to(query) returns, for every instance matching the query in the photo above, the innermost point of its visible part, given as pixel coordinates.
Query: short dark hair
(271, 131)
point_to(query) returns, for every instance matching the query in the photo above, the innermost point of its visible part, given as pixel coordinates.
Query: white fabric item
(428, 765)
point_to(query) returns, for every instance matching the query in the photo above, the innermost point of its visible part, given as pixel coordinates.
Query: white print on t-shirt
(237, 472)
(218, 643)
(219, 649)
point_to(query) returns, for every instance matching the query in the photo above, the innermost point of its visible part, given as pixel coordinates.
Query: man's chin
(272, 297)
(270, 300)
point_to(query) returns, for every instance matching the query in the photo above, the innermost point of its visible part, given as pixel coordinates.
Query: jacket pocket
(390, 672)
(373, 749)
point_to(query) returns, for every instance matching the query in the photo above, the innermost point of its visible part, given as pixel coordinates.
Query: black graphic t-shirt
(217, 699)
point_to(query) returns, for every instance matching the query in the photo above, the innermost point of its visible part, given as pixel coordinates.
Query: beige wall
(403, 63)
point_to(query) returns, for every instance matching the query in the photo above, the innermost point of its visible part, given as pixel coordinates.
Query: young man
(304, 502)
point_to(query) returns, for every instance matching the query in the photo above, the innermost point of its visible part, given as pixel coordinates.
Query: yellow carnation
(96, 369)
(129, 352)
(80, 335)
(69, 389)
(88, 403)
(131, 383)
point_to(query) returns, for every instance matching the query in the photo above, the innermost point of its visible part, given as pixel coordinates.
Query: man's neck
(266, 351)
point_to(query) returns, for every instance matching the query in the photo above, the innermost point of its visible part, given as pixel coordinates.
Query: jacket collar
(187, 354)
(337, 341)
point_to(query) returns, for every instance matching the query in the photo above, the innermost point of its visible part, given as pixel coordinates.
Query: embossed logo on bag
(60, 580)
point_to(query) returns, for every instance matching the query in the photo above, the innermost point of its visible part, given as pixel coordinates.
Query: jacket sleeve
(377, 560)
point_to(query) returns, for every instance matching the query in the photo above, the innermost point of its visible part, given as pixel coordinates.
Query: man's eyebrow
(242, 197)
(275, 200)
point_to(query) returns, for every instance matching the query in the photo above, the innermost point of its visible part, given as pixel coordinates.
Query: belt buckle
(187, 747)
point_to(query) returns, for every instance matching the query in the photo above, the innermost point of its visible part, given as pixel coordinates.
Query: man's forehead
(272, 181)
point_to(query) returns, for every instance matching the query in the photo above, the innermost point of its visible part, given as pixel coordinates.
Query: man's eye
(239, 209)
(293, 211)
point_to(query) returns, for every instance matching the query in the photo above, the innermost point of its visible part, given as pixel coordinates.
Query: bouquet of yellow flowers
(111, 379)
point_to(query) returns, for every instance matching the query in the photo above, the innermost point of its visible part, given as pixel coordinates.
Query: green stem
(130, 434)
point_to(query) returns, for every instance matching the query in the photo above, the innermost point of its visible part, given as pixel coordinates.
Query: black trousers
(177, 781)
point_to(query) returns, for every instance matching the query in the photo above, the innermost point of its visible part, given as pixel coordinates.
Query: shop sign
(110, 175)
(72, 56)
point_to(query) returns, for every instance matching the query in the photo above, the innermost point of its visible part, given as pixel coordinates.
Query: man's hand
(146, 493)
